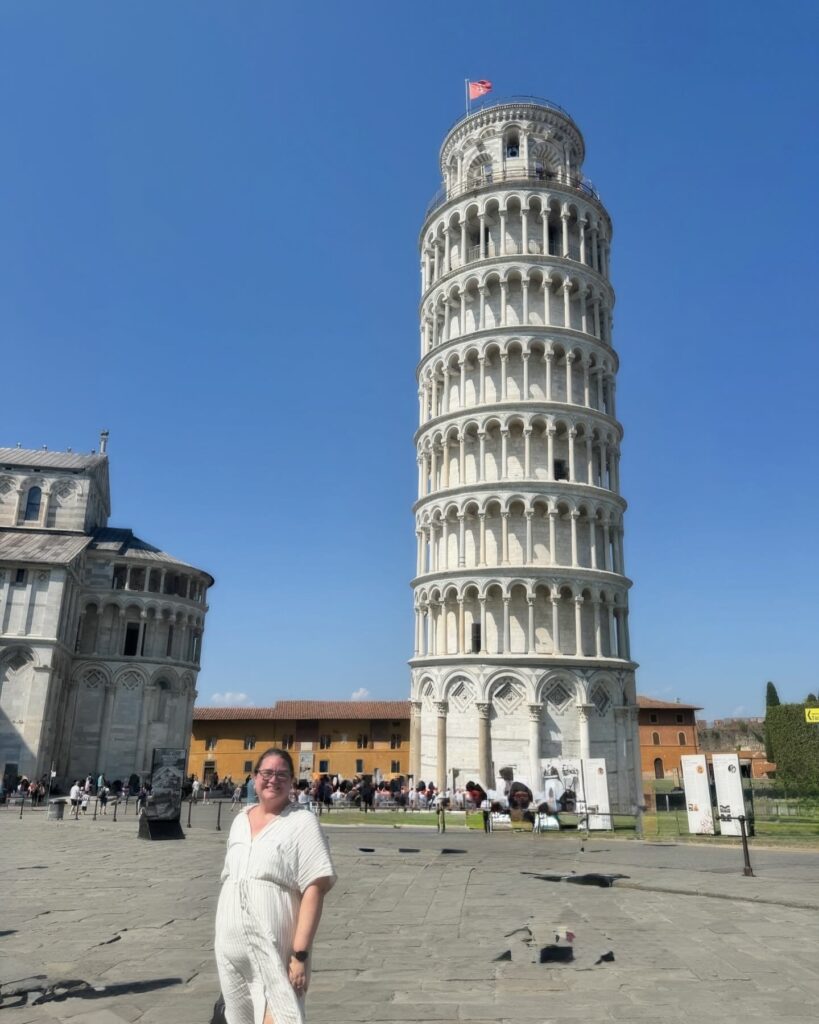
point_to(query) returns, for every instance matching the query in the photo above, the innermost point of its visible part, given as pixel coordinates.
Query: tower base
(154, 828)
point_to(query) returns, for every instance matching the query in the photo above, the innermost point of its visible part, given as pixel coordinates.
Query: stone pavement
(412, 933)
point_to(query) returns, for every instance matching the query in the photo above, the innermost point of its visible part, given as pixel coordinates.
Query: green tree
(811, 699)
(771, 701)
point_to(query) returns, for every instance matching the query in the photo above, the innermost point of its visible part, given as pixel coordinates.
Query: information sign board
(697, 794)
(730, 802)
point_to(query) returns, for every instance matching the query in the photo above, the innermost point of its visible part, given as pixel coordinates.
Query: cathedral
(100, 632)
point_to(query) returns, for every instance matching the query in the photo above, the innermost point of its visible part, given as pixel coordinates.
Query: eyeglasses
(266, 775)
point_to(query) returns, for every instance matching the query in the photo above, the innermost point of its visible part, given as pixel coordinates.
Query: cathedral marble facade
(100, 632)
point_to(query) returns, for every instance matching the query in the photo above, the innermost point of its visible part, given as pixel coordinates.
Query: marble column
(535, 719)
(415, 740)
(440, 780)
(583, 713)
(485, 746)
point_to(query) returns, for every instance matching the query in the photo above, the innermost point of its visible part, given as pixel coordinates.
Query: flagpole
(466, 94)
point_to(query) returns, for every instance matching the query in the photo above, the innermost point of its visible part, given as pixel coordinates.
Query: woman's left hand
(297, 972)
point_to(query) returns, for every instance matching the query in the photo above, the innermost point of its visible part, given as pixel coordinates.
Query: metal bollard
(116, 805)
(219, 817)
(747, 870)
(190, 805)
(94, 816)
(22, 805)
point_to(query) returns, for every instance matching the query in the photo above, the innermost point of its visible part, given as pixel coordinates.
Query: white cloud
(739, 710)
(360, 694)
(231, 699)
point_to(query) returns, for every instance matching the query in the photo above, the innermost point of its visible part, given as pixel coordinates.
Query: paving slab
(415, 936)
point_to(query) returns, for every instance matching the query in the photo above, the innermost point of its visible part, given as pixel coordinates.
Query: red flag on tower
(480, 88)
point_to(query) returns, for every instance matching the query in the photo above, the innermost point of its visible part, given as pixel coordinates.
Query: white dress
(262, 882)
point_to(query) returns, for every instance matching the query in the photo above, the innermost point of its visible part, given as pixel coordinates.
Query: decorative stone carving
(130, 680)
(558, 697)
(94, 678)
(535, 712)
(508, 695)
(601, 699)
(461, 694)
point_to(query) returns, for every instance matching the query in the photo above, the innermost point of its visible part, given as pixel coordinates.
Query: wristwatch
(300, 955)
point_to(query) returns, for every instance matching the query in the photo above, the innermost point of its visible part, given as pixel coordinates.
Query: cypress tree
(771, 701)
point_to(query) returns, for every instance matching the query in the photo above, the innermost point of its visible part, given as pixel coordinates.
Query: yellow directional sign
(812, 715)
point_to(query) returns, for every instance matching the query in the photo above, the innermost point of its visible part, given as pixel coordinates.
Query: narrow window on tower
(131, 639)
(561, 470)
(169, 644)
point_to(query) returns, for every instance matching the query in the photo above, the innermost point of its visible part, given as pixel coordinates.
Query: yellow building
(337, 737)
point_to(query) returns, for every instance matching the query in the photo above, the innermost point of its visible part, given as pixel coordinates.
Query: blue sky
(209, 214)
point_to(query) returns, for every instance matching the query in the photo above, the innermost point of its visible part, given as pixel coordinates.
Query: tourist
(236, 799)
(142, 797)
(276, 873)
(103, 797)
(486, 811)
(74, 795)
(367, 794)
(196, 785)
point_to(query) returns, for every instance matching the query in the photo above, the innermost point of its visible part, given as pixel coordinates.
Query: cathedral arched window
(32, 513)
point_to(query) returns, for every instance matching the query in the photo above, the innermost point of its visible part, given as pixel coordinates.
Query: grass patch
(352, 817)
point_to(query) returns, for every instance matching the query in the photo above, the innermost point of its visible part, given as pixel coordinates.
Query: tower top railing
(521, 175)
(485, 103)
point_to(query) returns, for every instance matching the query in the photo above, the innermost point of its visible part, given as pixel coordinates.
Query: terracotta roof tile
(231, 714)
(291, 710)
(649, 702)
(342, 709)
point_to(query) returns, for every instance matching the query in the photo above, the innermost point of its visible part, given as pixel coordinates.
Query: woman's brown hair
(274, 752)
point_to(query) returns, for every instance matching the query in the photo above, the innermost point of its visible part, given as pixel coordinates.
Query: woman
(276, 873)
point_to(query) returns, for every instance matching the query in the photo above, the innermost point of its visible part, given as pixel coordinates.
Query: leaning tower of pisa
(520, 593)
